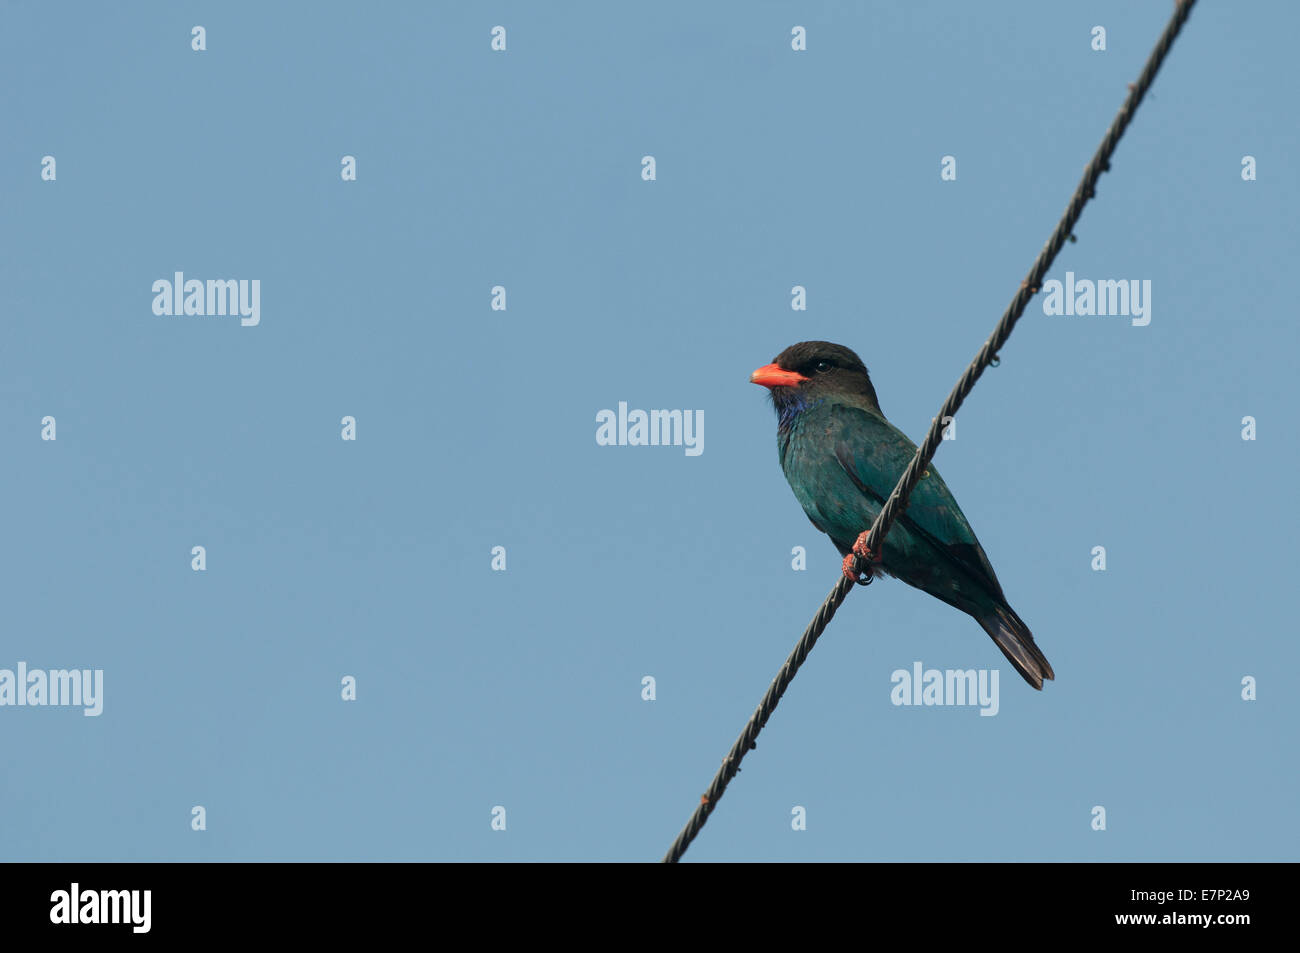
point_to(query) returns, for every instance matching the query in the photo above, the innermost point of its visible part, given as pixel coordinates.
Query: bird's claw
(862, 579)
(860, 551)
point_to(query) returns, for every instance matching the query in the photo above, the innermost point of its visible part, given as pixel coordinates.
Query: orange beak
(773, 375)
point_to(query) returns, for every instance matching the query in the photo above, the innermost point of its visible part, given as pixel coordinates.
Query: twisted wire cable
(897, 501)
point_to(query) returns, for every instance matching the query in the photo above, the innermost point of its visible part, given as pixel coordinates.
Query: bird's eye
(822, 366)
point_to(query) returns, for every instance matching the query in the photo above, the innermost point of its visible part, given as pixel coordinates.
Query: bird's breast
(825, 491)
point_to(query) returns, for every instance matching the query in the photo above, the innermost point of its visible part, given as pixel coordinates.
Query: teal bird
(842, 458)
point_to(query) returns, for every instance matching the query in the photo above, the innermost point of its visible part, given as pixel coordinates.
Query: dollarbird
(842, 459)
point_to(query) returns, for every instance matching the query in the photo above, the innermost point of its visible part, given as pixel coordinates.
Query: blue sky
(475, 428)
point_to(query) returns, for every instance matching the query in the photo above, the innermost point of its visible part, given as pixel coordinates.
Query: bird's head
(810, 371)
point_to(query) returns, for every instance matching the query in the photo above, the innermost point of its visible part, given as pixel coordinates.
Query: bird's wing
(875, 453)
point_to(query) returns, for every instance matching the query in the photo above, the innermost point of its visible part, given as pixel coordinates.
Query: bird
(842, 459)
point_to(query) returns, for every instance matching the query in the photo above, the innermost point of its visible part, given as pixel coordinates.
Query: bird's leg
(860, 550)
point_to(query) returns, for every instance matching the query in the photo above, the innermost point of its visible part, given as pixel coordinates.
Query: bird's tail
(1017, 644)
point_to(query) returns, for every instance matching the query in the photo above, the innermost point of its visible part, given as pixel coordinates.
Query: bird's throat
(789, 402)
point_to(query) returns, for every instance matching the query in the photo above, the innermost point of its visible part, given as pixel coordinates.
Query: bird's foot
(860, 550)
(862, 579)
